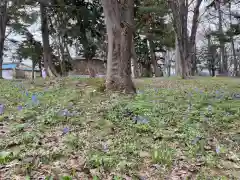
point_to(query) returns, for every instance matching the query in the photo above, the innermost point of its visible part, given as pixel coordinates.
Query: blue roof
(9, 66)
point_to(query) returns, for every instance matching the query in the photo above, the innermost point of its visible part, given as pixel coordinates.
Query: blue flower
(19, 108)
(198, 138)
(189, 107)
(156, 90)
(209, 108)
(219, 94)
(65, 112)
(1, 109)
(105, 147)
(217, 150)
(236, 96)
(140, 120)
(142, 177)
(34, 99)
(65, 130)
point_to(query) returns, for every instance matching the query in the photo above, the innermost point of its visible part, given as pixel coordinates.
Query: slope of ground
(70, 129)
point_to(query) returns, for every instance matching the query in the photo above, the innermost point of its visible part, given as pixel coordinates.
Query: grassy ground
(172, 129)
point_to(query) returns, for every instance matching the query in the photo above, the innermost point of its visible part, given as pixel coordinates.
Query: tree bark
(224, 65)
(47, 56)
(119, 18)
(91, 69)
(157, 70)
(194, 62)
(135, 70)
(3, 24)
(178, 71)
(33, 67)
(235, 60)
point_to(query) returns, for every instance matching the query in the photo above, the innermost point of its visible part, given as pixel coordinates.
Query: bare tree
(119, 21)
(185, 42)
(3, 25)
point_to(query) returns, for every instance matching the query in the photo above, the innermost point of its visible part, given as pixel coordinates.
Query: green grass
(71, 129)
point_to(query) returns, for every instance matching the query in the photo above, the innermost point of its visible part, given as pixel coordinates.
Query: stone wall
(21, 74)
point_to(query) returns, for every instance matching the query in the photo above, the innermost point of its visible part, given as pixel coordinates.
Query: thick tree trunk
(47, 56)
(3, 24)
(119, 18)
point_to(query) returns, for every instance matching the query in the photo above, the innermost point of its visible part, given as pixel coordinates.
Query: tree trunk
(194, 61)
(224, 65)
(91, 69)
(3, 24)
(40, 67)
(178, 71)
(168, 63)
(33, 67)
(119, 18)
(235, 60)
(134, 62)
(156, 69)
(47, 56)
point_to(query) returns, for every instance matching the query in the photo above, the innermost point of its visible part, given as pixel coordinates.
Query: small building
(18, 71)
(81, 66)
(8, 70)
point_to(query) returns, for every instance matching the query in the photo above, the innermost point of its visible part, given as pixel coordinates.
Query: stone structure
(81, 66)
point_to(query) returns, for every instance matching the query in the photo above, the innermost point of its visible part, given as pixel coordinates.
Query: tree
(185, 42)
(119, 22)
(82, 26)
(3, 25)
(225, 34)
(151, 18)
(142, 52)
(47, 58)
(30, 49)
(13, 18)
